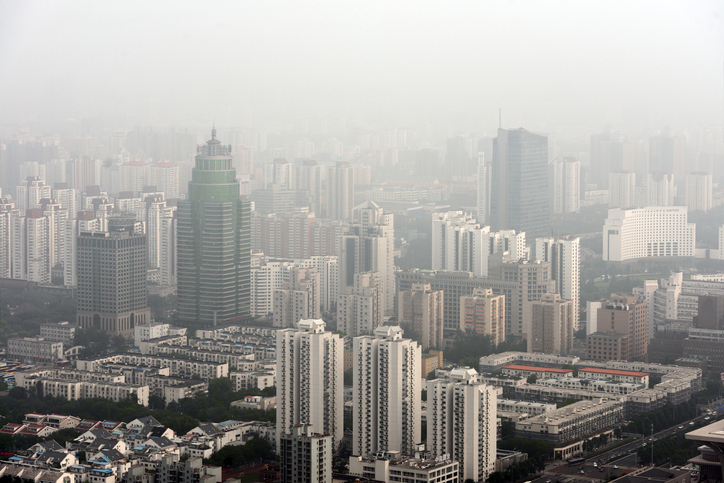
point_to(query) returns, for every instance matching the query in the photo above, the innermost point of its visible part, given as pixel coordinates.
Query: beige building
(622, 330)
(483, 313)
(298, 298)
(421, 309)
(549, 329)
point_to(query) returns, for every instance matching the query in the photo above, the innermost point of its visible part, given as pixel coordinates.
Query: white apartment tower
(367, 245)
(564, 255)
(306, 456)
(360, 309)
(566, 176)
(461, 421)
(308, 176)
(622, 189)
(386, 389)
(654, 231)
(310, 386)
(461, 244)
(659, 189)
(85, 222)
(29, 194)
(340, 191)
(298, 298)
(698, 191)
(483, 195)
(328, 270)
(279, 173)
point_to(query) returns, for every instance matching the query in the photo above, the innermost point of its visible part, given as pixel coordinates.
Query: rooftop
(516, 367)
(614, 372)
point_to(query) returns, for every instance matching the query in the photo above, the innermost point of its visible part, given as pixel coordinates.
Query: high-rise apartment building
(297, 298)
(667, 154)
(328, 269)
(308, 177)
(310, 383)
(367, 245)
(564, 255)
(306, 456)
(421, 309)
(654, 231)
(483, 313)
(85, 221)
(659, 190)
(698, 191)
(610, 152)
(360, 308)
(386, 391)
(6, 208)
(622, 330)
(111, 275)
(460, 243)
(283, 235)
(461, 422)
(549, 328)
(29, 194)
(340, 191)
(278, 172)
(566, 185)
(622, 189)
(520, 194)
(213, 241)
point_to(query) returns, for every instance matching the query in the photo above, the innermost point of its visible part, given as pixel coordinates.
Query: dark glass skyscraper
(213, 241)
(519, 199)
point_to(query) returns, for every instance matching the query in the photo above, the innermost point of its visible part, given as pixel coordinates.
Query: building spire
(213, 131)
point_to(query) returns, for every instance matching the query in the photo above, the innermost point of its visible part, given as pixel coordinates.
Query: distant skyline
(548, 65)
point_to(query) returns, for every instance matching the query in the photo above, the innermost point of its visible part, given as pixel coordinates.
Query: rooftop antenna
(213, 131)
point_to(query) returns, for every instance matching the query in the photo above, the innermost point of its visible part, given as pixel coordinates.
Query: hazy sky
(545, 63)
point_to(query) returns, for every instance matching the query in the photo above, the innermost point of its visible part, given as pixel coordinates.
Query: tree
(532, 378)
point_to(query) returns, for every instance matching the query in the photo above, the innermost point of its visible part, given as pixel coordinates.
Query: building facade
(483, 313)
(421, 309)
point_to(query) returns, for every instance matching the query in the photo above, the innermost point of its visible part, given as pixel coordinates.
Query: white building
(310, 366)
(622, 189)
(360, 309)
(386, 410)
(438, 470)
(462, 421)
(654, 231)
(566, 175)
(278, 172)
(29, 194)
(151, 331)
(264, 281)
(85, 222)
(698, 191)
(367, 245)
(297, 298)
(34, 350)
(461, 244)
(564, 255)
(59, 331)
(328, 270)
(306, 456)
(485, 176)
(660, 190)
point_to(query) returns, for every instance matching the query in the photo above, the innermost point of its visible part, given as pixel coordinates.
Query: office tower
(622, 189)
(659, 190)
(308, 177)
(698, 191)
(310, 380)
(278, 172)
(164, 175)
(564, 255)
(340, 191)
(667, 154)
(213, 241)
(527, 282)
(461, 422)
(566, 185)
(654, 231)
(460, 243)
(386, 392)
(29, 194)
(283, 235)
(360, 308)
(306, 456)
(550, 326)
(328, 269)
(484, 189)
(298, 298)
(622, 330)
(421, 310)
(367, 245)
(111, 278)
(520, 195)
(483, 313)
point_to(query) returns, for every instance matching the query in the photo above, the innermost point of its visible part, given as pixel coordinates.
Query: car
(615, 467)
(707, 418)
(691, 423)
(582, 472)
(681, 427)
(595, 465)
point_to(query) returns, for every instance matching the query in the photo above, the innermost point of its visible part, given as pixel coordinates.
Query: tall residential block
(483, 313)
(484, 180)
(308, 177)
(667, 154)
(698, 191)
(564, 255)
(549, 328)
(367, 245)
(461, 422)
(520, 194)
(610, 152)
(566, 185)
(340, 191)
(298, 298)
(213, 241)
(421, 310)
(622, 189)
(386, 391)
(360, 308)
(111, 276)
(306, 456)
(309, 371)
